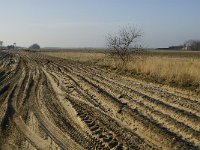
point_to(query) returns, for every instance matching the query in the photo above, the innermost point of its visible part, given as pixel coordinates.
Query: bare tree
(121, 43)
(193, 45)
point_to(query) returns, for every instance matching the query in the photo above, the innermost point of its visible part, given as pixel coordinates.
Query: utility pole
(1, 44)
(14, 45)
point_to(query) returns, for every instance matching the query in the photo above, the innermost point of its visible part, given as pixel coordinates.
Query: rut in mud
(47, 103)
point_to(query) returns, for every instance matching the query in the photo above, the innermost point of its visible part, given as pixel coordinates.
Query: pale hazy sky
(85, 23)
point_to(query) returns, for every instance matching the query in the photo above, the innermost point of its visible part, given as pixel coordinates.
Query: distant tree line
(32, 47)
(192, 45)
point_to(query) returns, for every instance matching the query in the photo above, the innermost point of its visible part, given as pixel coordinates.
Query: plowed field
(47, 103)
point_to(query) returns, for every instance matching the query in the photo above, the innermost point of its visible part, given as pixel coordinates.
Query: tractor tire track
(47, 103)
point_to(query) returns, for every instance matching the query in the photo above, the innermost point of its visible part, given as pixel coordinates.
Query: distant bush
(10, 47)
(34, 46)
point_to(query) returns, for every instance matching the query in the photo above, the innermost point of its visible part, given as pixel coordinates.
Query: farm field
(57, 101)
(173, 68)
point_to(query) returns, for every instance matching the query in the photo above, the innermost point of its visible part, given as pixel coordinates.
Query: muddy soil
(47, 103)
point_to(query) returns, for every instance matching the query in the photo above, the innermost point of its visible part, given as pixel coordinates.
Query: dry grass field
(79, 100)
